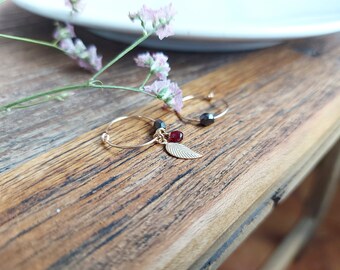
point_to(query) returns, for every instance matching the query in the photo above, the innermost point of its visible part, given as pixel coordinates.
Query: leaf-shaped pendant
(181, 151)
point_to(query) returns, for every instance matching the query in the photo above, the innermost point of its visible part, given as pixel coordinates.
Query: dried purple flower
(157, 62)
(63, 31)
(144, 60)
(167, 91)
(86, 57)
(164, 17)
(159, 18)
(164, 31)
(145, 14)
(92, 61)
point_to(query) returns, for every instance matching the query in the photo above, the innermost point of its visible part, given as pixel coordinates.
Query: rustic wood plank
(26, 69)
(143, 209)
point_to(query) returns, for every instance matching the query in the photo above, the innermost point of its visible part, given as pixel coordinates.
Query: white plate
(215, 25)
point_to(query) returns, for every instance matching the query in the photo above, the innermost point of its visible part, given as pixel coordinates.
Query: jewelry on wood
(204, 119)
(161, 136)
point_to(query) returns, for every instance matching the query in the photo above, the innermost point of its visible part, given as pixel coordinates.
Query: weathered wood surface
(26, 69)
(80, 206)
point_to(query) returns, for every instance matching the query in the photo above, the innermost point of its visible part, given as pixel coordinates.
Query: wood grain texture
(81, 206)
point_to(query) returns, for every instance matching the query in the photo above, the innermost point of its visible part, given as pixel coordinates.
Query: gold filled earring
(161, 136)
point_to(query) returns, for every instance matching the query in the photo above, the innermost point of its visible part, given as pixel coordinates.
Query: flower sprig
(162, 88)
(153, 22)
(158, 19)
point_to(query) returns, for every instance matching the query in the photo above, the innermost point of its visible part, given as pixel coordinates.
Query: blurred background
(321, 253)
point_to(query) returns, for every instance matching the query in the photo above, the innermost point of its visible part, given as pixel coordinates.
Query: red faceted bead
(175, 136)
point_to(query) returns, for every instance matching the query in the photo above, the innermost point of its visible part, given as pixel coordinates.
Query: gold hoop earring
(204, 119)
(161, 136)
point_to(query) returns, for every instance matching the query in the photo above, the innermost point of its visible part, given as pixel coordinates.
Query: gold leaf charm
(181, 151)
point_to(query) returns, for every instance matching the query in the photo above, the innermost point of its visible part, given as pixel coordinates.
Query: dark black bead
(159, 124)
(207, 119)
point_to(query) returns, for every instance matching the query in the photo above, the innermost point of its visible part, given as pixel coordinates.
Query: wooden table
(67, 202)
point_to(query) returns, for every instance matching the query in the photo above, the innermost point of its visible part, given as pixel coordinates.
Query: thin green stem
(18, 103)
(146, 80)
(134, 89)
(120, 55)
(42, 94)
(31, 105)
(34, 41)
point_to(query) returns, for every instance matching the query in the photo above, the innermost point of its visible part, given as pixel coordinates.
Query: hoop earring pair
(171, 140)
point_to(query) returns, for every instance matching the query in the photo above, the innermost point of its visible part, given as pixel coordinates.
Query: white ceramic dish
(215, 25)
